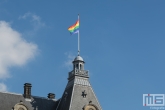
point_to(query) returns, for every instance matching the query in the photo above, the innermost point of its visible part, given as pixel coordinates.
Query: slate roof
(9, 100)
(73, 98)
(78, 94)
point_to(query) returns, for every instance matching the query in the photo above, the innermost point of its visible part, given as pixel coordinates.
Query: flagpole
(78, 39)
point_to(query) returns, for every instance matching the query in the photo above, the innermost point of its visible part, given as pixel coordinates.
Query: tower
(78, 94)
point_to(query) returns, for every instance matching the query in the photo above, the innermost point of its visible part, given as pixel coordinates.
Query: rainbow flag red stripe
(74, 28)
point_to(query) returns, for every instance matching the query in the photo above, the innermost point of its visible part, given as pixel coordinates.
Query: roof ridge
(44, 98)
(22, 95)
(11, 93)
(40, 97)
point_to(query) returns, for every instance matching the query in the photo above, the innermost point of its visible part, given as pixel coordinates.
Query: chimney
(27, 90)
(51, 96)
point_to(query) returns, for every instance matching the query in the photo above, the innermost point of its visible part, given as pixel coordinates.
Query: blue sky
(122, 43)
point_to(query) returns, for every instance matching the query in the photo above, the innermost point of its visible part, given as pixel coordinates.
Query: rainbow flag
(74, 28)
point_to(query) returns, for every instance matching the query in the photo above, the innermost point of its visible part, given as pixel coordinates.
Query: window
(76, 66)
(20, 108)
(80, 67)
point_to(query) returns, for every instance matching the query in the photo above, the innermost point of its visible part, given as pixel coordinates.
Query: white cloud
(3, 87)
(34, 19)
(14, 50)
(68, 62)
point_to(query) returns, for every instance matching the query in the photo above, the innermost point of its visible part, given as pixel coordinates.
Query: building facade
(78, 94)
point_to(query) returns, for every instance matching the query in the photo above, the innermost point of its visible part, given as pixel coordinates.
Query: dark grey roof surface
(78, 101)
(73, 98)
(65, 101)
(9, 100)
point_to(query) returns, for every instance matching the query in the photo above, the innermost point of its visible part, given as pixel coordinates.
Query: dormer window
(20, 106)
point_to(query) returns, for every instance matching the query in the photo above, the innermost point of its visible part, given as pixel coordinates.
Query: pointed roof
(78, 94)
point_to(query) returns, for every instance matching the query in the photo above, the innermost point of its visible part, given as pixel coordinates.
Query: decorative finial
(78, 52)
(21, 101)
(78, 16)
